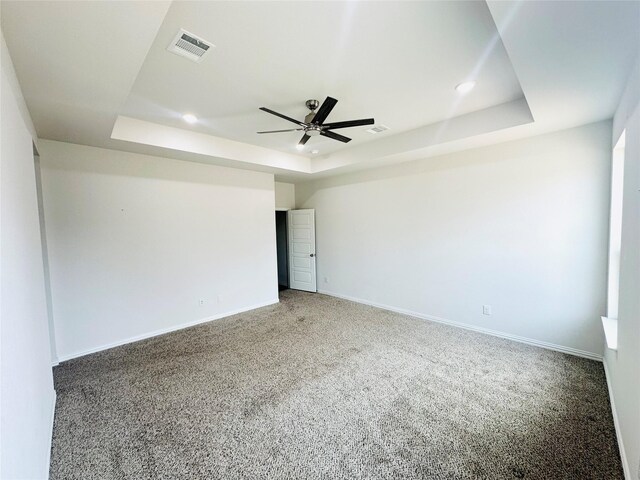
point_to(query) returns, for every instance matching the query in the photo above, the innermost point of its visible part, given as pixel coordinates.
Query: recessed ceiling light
(189, 118)
(465, 87)
(300, 146)
(315, 151)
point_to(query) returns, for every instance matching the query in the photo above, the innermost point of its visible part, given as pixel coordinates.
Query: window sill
(610, 326)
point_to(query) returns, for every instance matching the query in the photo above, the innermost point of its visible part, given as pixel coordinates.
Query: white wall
(520, 226)
(28, 398)
(135, 242)
(285, 196)
(623, 366)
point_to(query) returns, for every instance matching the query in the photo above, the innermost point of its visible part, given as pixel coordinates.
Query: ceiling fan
(313, 123)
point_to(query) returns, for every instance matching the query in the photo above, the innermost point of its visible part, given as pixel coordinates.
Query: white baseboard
(53, 416)
(623, 457)
(495, 333)
(144, 336)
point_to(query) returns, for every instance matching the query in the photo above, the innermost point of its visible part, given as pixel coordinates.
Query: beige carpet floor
(321, 388)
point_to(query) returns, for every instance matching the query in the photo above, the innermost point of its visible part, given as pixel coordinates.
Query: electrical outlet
(201, 302)
(486, 309)
(326, 280)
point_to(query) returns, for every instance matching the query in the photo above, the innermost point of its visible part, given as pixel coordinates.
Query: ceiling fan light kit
(314, 125)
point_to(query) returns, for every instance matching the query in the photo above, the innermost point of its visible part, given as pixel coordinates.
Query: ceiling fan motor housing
(313, 130)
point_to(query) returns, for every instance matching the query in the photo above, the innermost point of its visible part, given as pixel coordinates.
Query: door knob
(312, 255)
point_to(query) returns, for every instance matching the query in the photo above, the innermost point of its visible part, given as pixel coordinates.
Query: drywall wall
(27, 395)
(520, 226)
(136, 243)
(623, 366)
(285, 196)
(45, 261)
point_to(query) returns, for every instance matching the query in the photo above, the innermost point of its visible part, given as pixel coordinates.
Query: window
(610, 323)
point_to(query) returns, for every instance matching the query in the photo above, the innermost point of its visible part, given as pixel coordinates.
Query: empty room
(320, 240)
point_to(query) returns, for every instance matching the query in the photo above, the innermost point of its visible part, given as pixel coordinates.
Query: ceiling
(98, 73)
(397, 62)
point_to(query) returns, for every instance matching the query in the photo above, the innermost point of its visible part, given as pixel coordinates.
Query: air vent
(377, 129)
(190, 46)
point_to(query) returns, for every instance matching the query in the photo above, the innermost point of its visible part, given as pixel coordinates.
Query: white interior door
(302, 249)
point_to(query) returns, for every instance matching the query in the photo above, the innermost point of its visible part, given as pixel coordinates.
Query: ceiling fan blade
(279, 131)
(349, 123)
(304, 139)
(324, 110)
(335, 136)
(264, 109)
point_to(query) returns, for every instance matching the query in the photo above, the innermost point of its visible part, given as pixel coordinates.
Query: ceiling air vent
(377, 129)
(189, 45)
